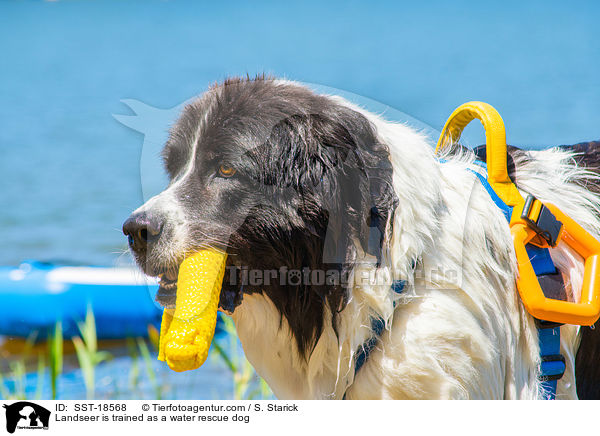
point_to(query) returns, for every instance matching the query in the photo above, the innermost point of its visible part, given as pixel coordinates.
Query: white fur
(459, 329)
(167, 203)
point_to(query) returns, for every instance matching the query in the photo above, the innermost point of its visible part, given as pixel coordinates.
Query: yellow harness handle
(495, 138)
(587, 311)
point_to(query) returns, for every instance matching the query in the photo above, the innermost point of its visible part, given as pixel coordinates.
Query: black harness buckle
(550, 370)
(545, 224)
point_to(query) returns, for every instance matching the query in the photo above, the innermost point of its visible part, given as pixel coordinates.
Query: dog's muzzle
(141, 229)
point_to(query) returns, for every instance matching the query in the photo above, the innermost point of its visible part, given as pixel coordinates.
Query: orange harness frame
(522, 227)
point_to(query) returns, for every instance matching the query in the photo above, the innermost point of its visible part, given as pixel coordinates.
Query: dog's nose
(141, 229)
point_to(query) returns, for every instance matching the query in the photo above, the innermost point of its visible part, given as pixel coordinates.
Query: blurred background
(71, 172)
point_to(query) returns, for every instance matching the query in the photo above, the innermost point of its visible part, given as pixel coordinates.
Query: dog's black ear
(343, 173)
(354, 182)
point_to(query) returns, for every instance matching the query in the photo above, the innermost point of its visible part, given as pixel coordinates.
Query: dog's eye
(226, 171)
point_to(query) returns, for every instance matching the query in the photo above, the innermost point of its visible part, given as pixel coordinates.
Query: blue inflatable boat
(34, 295)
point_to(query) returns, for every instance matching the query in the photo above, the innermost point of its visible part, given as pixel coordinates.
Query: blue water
(70, 172)
(124, 378)
(125, 375)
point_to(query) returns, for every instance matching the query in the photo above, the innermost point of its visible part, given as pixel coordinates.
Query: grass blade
(87, 367)
(41, 369)
(148, 363)
(55, 356)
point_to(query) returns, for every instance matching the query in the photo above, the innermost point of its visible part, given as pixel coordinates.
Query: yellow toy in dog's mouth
(187, 331)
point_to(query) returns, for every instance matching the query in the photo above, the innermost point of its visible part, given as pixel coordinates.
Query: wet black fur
(312, 178)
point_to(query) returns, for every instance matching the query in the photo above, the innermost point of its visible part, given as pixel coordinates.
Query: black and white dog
(324, 210)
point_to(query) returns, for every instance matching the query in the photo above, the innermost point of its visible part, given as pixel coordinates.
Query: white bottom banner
(295, 417)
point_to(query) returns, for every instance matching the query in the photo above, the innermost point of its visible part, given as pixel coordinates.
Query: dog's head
(286, 182)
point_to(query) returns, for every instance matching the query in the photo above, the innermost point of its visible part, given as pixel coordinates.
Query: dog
(333, 217)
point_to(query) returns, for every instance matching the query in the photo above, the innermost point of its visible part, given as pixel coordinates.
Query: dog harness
(535, 227)
(552, 363)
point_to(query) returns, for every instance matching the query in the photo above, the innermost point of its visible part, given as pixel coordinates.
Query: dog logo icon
(26, 415)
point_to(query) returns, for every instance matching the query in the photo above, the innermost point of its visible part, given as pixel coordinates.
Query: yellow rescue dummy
(187, 331)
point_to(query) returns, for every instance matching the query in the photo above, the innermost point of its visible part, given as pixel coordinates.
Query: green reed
(88, 355)
(18, 373)
(55, 357)
(156, 386)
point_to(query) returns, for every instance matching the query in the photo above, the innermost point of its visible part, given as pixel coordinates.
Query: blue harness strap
(377, 326)
(552, 365)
